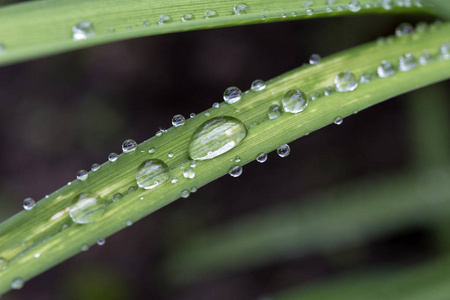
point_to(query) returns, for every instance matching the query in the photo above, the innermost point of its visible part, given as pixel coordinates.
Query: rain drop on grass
(185, 193)
(232, 95)
(407, 62)
(314, 59)
(338, 121)
(129, 146)
(29, 203)
(210, 14)
(82, 175)
(294, 101)
(178, 120)
(258, 85)
(354, 6)
(112, 157)
(187, 17)
(284, 150)
(346, 82)
(189, 173)
(82, 30)
(95, 167)
(385, 69)
(235, 171)
(17, 284)
(261, 158)
(152, 173)
(404, 29)
(240, 8)
(3, 264)
(163, 19)
(84, 247)
(275, 111)
(101, 242)
(86, 208)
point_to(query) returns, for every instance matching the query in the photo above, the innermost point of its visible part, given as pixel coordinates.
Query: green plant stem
(39, 28)
(39, 230)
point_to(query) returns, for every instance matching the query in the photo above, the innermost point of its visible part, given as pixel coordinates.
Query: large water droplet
(82, 30)
(113, 157)
(178, 120)
(17, 284)
(189, 173)
(404, 29)
(314, 59)
(258, 85)
(82, 175)
(275, 111)
(235, 171)
(215, 137)
(86, 208)
(338, 121)
(261, 158)
(284, 150)
(232, 95)
(386, 69)
(29, 203)
(211, 14)
(152, 173)
(129, 146)
(354, 6)
(240, 9)
(345, 82)
(407, 62)
(294, 101)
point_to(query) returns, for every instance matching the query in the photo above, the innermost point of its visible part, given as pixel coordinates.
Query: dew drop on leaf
(284, 150)
(29, 203)
(345, 82)
(152, 173)
(86, 208)
(235, 171)
(82, 30)
(129, 146)
(232, 95)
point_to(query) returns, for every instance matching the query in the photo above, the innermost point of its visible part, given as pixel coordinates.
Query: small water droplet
(328, 10)
(116, 197)
(261, 158)
(95, 167)
(235, 171)
(82, 30)
(232, 95)
(310, 11)
(425, 58)
(314, 59)
(283, 15)
(192, 115)
(385, 69)
(29, 203)
(152, 150)
(215, 137)
(86, 208)
(211, 14)
(145, 24)
(17, 284)
(185, 193)
(152, 173)
(187, 17)
(275, 111)
(189, 173)
(365, 78)
(3, 263)
(174, 180)
(345, 82)
(339, 8)
(407, 62)
(445, 51)
(193, 189)
(354, 6)
(129, 146)
(82, 175)
(315, 96)
(178, 120)
(170, 154)
(284, 150)
(129, 223)
(84, 247)
(404, 29)
(294, 101)
(338, 121)
(113, 157)
(216, 105)
(237, 159)
(37, 255)
(207, 114)
(258, 85)
(159, 132)
(101, 241)
(329, 90)
(163, 19)
(240, 9)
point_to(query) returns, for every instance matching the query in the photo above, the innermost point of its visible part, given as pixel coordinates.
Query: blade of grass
(38, 28)
(40, 230)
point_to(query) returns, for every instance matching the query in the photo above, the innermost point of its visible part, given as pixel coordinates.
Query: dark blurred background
(63, 113)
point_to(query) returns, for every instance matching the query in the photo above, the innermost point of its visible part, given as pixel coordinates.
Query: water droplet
(152, 150)
(82, 175)
(187, 17)
(425, 58)
(404, 29)
(235, 171)
(345, 82)
(365, 78)
(283, 15)
(163, 19)
(237, 159)
(101, 242)
(29, 203)
(189, 173)
(232, 95)
(310, 11)
(387, 4)
(445, 51)
(210, 14)
(421, 27)
(339, 8)
(129, 223)
(193, 189)
(113, 157)
(216, 105)
(129, 146)
(315, 96)
(193, 163)
(3, 263)
(275, 111)
(152, 173)
(170, 154)
(131, 189)
(174, 180)
(178, 120)
(82, 30)
(192, 115)
(407, 62)
(84, 247)
(145, 24)
(207, 114)
(37, 255)
(86, 208)
(338, 121)
(385, 69)
(240, 9)
(95, 167)
(116, 197)
(284, 150)
(215, 137)
(258, 85)
(294, 101)
(159, 132)
(354, 6)
(314, 59)
(185, 193)
(328, 10)
(17, 284)
(329, 90)
(261, 158)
